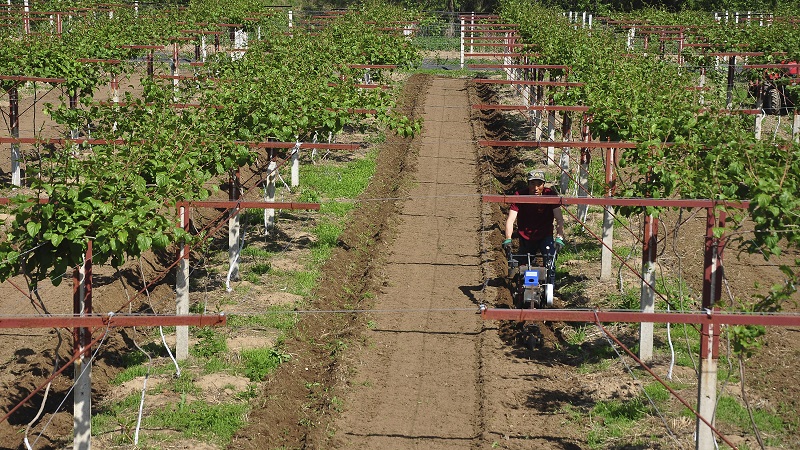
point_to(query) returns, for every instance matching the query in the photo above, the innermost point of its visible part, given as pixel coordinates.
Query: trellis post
(551, 133)
(269, 213)
(233, 230)
(13, 117)
(566, 132)
(709, 333)
(647, 298)
(182, 288)
(606, 252)
(82, 399)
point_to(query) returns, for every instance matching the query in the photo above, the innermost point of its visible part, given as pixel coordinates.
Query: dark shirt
(534, 221)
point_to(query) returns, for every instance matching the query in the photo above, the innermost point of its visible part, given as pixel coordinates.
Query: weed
(210, 343)
(260, 362)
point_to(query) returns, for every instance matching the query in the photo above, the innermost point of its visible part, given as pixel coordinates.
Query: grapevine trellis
(194, 95)
(647, 147)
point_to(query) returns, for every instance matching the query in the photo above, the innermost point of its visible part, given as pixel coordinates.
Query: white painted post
(203, 51)
(296, 165)
(647, 298)
(551, 135)
(796, 127)
(472, 33)
(606, 254)
(709, 334)
(82, 400)
(583, 184)
(269, 195)
(702, 84)
(182, 292)
(291, 20)
(507, 59)
(234, 227)
(631, 35)
(706, 401)
(566, 135)
(27, 17)
(462, 42)
(759, 119)
(16, 155)
(175, 68)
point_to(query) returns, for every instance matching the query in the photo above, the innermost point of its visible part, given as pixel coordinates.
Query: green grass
(198, 420)
(259, 362)
(614, 419)
(729, 410)
(276, 317)
(338, 181)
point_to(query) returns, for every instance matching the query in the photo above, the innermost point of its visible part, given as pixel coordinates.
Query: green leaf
(33, 228)
(143, 242)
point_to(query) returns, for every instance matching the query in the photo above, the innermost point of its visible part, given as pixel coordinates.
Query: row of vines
(291, 84)
(689, 145)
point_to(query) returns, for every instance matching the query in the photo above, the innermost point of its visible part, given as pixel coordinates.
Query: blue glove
(559, 242)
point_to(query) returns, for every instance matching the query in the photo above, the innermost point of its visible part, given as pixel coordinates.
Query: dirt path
(418, 383)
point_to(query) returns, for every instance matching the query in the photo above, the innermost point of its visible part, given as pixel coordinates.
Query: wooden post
(606, 253)
(647, 298)
(709, 342)
(182, 289)
(82, 399)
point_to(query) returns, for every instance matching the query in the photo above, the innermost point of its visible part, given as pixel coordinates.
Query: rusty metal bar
(39, 79)
(519, 66)
(525, 82)
(534, 144)
(583, 315)
(614, 201)
(252, 204)
(111, 320)
(579, 108)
